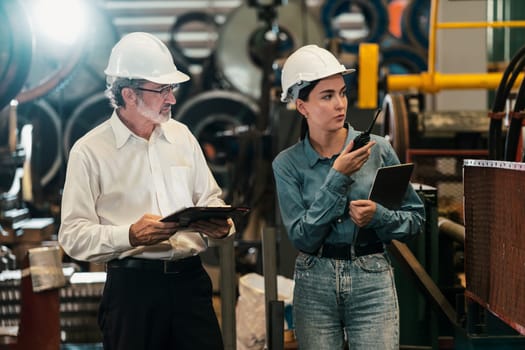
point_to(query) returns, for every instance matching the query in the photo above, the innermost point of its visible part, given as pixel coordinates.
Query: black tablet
(186, 216)
(390, 185)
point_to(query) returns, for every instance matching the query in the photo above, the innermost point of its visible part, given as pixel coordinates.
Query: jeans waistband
(164, 266)
(345, 251)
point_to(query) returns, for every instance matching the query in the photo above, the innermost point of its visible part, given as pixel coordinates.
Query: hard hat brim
(286, 96)
(176, 77)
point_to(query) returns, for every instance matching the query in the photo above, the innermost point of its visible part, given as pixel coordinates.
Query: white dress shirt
(115, 177)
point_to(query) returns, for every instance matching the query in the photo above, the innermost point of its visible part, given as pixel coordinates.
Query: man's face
(155, 102)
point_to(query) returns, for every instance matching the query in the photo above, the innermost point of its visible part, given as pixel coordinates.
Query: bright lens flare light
(62, 21)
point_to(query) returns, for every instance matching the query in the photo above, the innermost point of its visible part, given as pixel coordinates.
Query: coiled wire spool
(46, 150)
(51, 64)
(85, 117)
(402, 59)
(213, 116)
(415, 23)
(188, 88)
(195, 20)
(399, 58)
(204, 60)
(87, 76)
(242, 35)
(16, 49)
(395, 124)
(374, 27)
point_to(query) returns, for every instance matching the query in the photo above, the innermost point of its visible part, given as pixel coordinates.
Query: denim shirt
(314, 197)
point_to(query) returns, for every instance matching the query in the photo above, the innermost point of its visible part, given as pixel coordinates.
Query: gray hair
(114, 89)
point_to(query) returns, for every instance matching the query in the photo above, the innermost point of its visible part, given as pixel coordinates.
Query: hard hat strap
(293, 92)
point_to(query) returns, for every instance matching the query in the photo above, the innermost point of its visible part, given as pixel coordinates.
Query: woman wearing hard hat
(343, 292)
(122, 178)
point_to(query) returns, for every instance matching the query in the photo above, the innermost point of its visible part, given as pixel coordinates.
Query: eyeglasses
(164, 91)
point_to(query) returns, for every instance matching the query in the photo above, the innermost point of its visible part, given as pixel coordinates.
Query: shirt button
(339, 220)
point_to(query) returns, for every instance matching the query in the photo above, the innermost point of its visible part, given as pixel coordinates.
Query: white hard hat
(143, 56)
(307, 64)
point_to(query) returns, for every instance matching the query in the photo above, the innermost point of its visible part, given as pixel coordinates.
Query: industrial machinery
(233, 52)
(473, 315)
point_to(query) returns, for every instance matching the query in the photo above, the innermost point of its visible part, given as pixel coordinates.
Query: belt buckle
(167, 269)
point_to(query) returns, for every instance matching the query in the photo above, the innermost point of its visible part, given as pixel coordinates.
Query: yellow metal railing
(432, 81)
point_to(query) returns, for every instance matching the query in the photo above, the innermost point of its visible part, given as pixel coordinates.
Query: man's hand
(148, 230)
(214, 228)
(362, 211)
(348, 161)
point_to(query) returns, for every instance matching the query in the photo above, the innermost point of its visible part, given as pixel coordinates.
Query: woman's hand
(348, 162)
(362, 211)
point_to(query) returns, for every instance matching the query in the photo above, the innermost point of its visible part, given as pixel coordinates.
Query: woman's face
(326, 107)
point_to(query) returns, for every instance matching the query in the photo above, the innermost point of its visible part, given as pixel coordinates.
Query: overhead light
(61, 21)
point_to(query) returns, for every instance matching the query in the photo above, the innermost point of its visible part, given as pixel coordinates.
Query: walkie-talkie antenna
(364, 137)
(369, 130)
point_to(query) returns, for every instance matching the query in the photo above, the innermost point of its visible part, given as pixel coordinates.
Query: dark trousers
(151, 310)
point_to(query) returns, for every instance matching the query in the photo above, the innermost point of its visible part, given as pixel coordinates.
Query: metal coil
(375, 15)
(16, 50)
(243, 34)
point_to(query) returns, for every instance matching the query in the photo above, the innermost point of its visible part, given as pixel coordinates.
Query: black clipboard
(186, 216)
(390, 185)
(389, 188)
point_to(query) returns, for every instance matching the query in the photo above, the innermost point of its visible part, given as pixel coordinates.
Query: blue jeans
(352, 300)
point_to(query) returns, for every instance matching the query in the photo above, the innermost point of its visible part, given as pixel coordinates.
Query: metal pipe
(408, 261)
(12, 125)
(368, 75)
(228, 288)
(452, 229)
(432, 37)
(428, 82)
(269, 240)
(276, 339)
(465, 25)
(432, 81)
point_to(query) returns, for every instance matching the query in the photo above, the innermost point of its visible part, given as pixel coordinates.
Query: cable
(514, 130)
(507, 81)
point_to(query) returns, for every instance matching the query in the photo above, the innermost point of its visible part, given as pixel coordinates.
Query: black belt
(164, 266)
(344, 251)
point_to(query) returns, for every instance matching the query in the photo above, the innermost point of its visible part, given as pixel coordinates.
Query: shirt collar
(163, 131)
(122, 133)
(312, 156)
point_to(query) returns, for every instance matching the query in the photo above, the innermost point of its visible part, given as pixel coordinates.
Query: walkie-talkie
(364, 137)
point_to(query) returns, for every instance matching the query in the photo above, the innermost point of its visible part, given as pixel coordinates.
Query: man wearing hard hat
(122, 178)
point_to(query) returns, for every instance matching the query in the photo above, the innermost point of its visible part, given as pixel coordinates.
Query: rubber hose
(507, 81)
(514, 131)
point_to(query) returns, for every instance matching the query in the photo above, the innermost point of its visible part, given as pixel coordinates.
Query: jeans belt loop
(320, 252)
(353, 256)
(166, 267)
